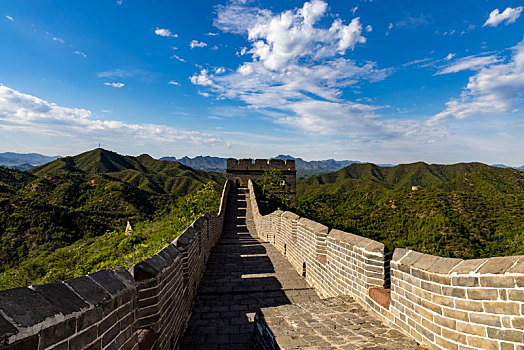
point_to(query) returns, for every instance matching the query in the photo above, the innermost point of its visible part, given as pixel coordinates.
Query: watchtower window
(282, 183)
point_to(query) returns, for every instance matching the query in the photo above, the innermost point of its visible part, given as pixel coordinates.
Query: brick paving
(243, 275)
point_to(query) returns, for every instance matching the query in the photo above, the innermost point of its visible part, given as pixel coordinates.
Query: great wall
(241, 280)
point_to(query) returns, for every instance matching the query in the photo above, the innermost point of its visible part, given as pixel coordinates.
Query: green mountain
(72, 198)
(465, 210)
(143, 172)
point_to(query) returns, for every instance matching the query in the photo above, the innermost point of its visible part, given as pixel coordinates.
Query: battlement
(260, 164)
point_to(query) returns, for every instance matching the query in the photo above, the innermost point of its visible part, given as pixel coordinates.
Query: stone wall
(442, 303)
(115, 308)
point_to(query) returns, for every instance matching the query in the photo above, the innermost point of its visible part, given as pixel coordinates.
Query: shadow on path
(242, 274)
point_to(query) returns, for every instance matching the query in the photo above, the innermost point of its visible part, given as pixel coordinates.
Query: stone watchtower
(239, 171)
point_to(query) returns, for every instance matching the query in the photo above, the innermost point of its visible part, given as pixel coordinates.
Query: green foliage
(271, 192)
(113, 248)
(462, 210)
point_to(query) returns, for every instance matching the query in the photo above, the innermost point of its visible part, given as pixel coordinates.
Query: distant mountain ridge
(304, 167)
(24, 161)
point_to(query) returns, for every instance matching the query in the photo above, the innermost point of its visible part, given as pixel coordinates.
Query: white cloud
(495, 90)
(120, 2)
(195, 43)
(449, 56)
(212, 34)
(178, 58)
(220, 70)
(172, 82)
(80, 53)
(60, 40)
(510, 15)
(31, 115)
(354, 9)
(120, 73)
(390, 26)
(297, 71)
(369, 28)
(115, 85)
(165, 33)
(10, 18)
(474, 62)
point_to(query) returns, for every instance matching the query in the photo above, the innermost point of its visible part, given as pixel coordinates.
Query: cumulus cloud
(297, 70)
(475, 62)
(494, 90)
(29, 114)
(165, 33)
(508, 16)
(115, 85)
(196, 43)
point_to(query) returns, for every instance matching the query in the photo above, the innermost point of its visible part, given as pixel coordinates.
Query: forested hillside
(86, 196)
(466, 210)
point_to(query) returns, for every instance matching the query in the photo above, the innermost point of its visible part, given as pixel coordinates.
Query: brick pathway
(244, 274)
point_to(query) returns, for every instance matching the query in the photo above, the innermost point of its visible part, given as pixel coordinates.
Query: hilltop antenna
(99, 145)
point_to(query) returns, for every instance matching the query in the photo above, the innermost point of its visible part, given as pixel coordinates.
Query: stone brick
(488, 320)
(468, 305)
(498, 265)
(471, 329)
(442, 300)
(518, 323)
(89, 290)
(507, 335)
(445, 344)
(516, 294)
(55, 334)
(498, 282)
(468, 266)
(456, 314)
(504, 308)
(452, 335)
(60, 295)
(465, 281)
(454, 292)
(483, 294)
(518, 267)
(444, 321)
(25, 306)
(483, 343)
(79, 341)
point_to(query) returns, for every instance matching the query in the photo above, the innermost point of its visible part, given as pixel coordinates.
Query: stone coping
(290, 215)
(25, 311)
(453, 266)
(314, 226)
(364, 243)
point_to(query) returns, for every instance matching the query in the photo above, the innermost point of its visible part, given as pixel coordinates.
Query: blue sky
(381, 81)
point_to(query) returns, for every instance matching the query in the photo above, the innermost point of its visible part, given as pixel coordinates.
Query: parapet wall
(115, 309)
(442, 303)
